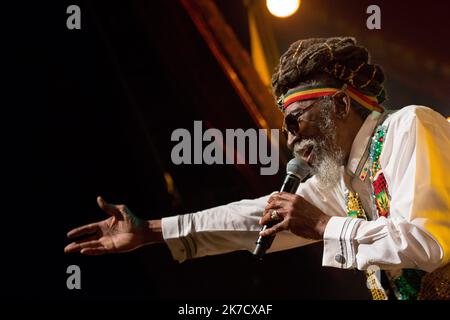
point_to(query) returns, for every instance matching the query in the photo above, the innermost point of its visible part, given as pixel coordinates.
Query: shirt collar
(361, 141)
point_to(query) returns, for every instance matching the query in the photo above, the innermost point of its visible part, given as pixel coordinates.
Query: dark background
(90, 112)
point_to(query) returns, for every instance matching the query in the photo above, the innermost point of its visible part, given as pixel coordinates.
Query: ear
(342, 105)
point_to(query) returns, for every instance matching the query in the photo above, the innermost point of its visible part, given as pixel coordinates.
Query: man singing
(379, 197)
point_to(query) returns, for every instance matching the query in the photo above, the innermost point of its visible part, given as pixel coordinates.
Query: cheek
(310, 130)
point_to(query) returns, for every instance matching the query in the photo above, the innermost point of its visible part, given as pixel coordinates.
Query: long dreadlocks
(340, 58)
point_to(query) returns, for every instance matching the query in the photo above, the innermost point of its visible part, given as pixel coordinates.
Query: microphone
(297, 171)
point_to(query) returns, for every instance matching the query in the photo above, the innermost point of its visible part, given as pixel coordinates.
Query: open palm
(121, 232)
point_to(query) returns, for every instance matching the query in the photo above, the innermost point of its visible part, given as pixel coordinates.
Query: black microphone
(297, 171)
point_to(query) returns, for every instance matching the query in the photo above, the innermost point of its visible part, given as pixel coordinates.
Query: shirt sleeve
(415, 161)
(235, 226)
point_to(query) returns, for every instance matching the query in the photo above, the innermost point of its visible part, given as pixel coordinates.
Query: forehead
(298, 106)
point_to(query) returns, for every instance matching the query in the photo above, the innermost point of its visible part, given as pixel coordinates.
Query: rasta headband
(311, 92)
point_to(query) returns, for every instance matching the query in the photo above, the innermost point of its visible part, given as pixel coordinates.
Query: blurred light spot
(169, 182)
(282, 8)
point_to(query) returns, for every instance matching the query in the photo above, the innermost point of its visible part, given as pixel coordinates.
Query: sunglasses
(291, 122)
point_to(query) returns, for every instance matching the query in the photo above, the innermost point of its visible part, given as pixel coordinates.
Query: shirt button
(339, 258)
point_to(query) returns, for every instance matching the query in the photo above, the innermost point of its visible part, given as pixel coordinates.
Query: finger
(282, 196)
(109, 208)
(78, 246)
(272, 197)
(83, 230)
(286, 195)
(275, 229)
(267, 217)
(276, 204)
(70, 247)
(94, 251)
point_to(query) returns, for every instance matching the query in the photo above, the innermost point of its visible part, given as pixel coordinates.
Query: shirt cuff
(180, 246)
(339, 242)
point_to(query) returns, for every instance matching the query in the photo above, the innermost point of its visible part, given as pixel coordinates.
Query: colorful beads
(405, 285)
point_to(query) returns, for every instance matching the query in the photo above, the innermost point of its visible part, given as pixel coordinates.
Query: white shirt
(415, 161)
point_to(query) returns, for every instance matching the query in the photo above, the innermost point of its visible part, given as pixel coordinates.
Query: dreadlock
(340, 58)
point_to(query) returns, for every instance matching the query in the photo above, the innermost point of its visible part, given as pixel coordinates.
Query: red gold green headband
(311, 92)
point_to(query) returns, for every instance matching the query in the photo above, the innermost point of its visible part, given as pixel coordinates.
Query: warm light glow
(282, 8)
(448, 119)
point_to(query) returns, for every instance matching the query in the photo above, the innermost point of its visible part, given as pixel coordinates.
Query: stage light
(282, 8)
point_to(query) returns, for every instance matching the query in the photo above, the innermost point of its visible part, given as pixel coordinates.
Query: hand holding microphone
(297, 171)
(288, 211)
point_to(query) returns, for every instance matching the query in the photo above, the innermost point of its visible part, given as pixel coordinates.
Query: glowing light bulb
(282, 8)
(448, 119)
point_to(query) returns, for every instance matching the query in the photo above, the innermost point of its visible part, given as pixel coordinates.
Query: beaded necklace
(404, 283)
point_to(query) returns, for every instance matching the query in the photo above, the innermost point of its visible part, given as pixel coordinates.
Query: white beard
(327, 164)
(328, 157)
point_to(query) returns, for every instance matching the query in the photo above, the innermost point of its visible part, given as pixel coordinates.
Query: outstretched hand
(121, 232)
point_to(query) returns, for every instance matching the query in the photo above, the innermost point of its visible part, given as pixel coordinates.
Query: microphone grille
(298, 167)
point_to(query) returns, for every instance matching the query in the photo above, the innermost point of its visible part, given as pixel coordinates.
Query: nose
(291, 140)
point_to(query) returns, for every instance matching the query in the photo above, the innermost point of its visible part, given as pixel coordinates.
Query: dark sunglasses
(292, 121)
